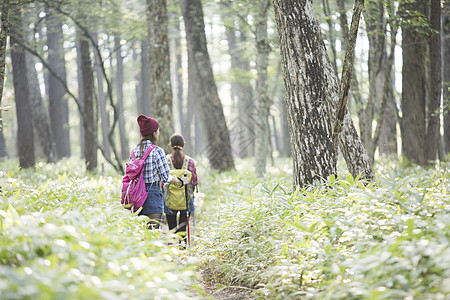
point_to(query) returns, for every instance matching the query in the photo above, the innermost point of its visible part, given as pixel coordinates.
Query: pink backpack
(134, 193)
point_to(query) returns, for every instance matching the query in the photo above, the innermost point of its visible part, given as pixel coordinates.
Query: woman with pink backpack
(156, 170)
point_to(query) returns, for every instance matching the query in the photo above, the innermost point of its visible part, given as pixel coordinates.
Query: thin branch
(347, 73)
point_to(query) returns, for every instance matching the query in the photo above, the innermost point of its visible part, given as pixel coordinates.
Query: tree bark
(40, 114)
(347, 71)
(209, 106)
(354, 87)
(89, 107)
(119, 88)
(80, 86)
(3, 40)
(446, 74)
(263, 48)
(25, 136)
(413, 90)
(159, 69)
(58, 106)
(350, 144)
(433, 134)
(376, 25)
(5, 25)
(241, 88)
(145, 99)
(386, 90)
(303, 71)
(104, 118)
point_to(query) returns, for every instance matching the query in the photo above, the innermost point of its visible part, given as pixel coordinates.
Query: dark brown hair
(177, 144)
(150, 137)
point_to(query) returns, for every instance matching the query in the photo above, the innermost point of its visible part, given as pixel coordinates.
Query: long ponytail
(177, 144)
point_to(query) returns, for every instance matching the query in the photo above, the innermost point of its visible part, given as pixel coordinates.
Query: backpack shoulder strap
(147, 152)
(169, 161)
(185, 162)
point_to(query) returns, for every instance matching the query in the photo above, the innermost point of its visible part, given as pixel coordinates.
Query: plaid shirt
(156, 167)
(190, 167)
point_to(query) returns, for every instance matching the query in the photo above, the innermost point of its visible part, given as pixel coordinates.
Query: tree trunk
(375, 23)
(303, 71)
(137, 79)
(80, 86)
(3, 151)
(25, 137)
(175, 33)
(119, 88)
(89, 107)
(104, 117)
(387, 143)
(331, 34)
(40, 114)
(413, 94)
(58, 106)
(3, 40)
(204, 87)
(446, 74)
(263, 48)
(5, 26)
(145, 100)
(350, 144)
(159, 68)
(242, 89)
(433, 134)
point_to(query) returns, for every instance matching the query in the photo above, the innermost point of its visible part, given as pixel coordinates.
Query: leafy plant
(64, 235)
(346, 241)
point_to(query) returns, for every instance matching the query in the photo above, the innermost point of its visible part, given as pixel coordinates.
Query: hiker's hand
(185, 180)
(180, 181)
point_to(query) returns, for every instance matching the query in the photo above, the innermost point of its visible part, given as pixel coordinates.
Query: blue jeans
(154, 204)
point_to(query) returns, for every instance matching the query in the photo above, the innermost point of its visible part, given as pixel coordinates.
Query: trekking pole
(187, 212)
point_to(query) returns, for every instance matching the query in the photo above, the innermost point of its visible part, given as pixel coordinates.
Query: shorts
(154, 204)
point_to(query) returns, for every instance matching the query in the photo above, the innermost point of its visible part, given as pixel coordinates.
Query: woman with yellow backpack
(179, 199)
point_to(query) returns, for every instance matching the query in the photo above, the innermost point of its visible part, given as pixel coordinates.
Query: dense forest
(341, 104)
(226, 75)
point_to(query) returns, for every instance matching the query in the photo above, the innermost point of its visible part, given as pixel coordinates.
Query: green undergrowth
(64, 235)
(389, 240)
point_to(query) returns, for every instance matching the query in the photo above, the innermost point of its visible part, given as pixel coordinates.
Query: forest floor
(225, 293)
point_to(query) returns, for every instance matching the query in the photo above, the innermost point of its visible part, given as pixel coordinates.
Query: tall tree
(204, 88)
(58, 106)
(413, 86)
(446, 74)
(241, 87)
(3, 39)
(305, 84)
(80, 87)
(40, 113)
(25, 136)
(119, 87)
(263, 48)
(159, 68)
(433, 115)
(376, 25)
(104, 117)
(144, 91)
(90, 120)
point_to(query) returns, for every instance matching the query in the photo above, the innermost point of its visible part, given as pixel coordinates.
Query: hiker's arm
(175, 180)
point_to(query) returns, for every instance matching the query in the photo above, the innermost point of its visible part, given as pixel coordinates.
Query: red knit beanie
(147, 125)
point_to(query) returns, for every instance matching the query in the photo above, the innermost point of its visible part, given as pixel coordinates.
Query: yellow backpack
(174, 195)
